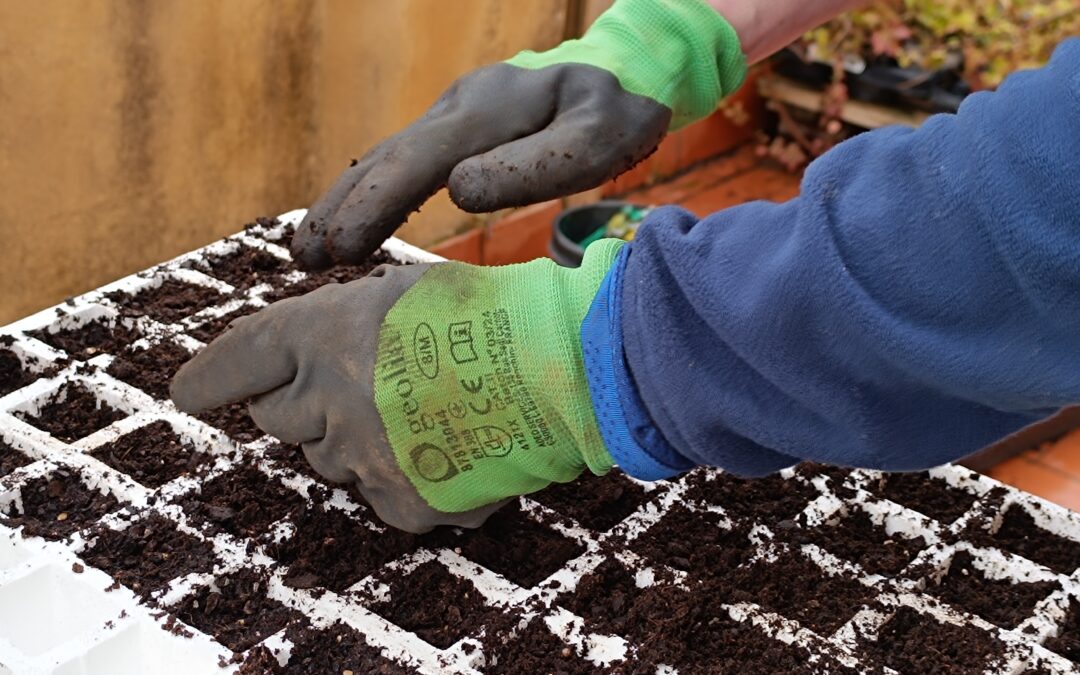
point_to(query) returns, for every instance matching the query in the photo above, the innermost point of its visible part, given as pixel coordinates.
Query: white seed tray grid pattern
(54, 619)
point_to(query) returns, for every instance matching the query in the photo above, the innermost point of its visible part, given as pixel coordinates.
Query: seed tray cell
(219, 550)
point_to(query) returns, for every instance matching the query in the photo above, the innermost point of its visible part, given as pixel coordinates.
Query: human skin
(767, 26)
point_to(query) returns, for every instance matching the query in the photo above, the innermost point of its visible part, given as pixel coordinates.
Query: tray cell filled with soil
(149, 554)
(336, 649)
(153, 455)
(517, 547)
(1066, 641)
(910, 642)
(244, 502)
(292, 457)
(245, 267)
(598, 503)
(211, 329)
(13, 374)
(533, 649)
(337, 275)
(99, 336)
(854, 537)
(235, 610)
(57, 505)
(11, 459)
(152, 369)
(607, 598)
(929, 496)
(438, 606)
(168, 302)
(329, 549)
(695, 541)
(72, 412)
(1020, 535)
(770, 499)
(1003, 602)
(234, 420)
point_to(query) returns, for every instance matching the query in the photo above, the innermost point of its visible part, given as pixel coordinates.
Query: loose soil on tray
(598, 503)
(242, 502)
(149, 554)
(999, 601)
(246, 267)
(857, 539)
(73, 412)
(89, 340)
(1020, 535)
(517, 547)
(436, 605)
(533, 649)
(931, 497)
(237, 612)
(605, 598)
(11, 459)
(335, 275)
(153, 455)
(693, 541)
(769, 500)
(1067, 641)
(234, 420)
(213, 328)
(331, 550)
(151, 370)
(334, 650)
(913, 643)
(169, 302)
(53, 507)
(292, 456)
(12, 373)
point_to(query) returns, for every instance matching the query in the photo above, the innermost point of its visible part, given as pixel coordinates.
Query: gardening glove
(536, 127)
(441, 389)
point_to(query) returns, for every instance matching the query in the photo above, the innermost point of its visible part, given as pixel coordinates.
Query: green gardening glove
(441, 390)
(536, 127)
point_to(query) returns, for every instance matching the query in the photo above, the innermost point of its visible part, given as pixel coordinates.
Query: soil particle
(236, 610)
(153, 455)
(242, 502)
(596, 502)
(999, 601)
(151, 370)
(436, 605)
(331, 550)
(91, 339)
(532, 650)
(333, 651)
(694, 541)
(234, 420)
(11, 459)
(931, 497)
(857, 539)
(1020, 535)
(149, 554)
(169, 302)
(913, 643)
(56, 506)
(517, 547)
(246, 267)
(12, 374)
(73, 412)
(1067, 641)
(769, 499)
(213, 328)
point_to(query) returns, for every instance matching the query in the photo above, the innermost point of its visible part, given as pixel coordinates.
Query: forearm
(766, 26)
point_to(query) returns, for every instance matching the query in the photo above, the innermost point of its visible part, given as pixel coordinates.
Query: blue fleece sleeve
(917, 301)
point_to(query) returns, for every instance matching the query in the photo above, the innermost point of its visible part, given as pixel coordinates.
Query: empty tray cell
(11, 459)
(243, 502)
(533, 650)
(695, 541)
(929, 496)
(337, 275)
(1067, 640)
(207, 331)
(598, 503)
(1020, 535)
(766, 500)
(236, 610)
(337, 649)
(818, 601)
(55, 506)
(854, 537)
(436, 605)
(142, 648)
(151, 370)
(12, 552)
(13, 375)
(234, 420)
(149, 554)
(999, 601)
(245, 267)
(53, 607)
(93, 338)
(915, 643)
(153, 455)
(71, 413)
(518, 548)
(331, 550)
(606, 598)
(168, 302)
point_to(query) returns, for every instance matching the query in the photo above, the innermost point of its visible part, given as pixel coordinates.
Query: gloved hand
(441, 389)
(536, 127)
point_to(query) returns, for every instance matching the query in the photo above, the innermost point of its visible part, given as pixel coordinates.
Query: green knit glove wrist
(680, 53)
(480, 384)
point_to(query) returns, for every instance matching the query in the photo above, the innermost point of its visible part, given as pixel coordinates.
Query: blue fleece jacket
(919, 300)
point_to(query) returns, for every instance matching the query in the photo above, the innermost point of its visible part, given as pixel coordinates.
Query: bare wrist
(766, 26)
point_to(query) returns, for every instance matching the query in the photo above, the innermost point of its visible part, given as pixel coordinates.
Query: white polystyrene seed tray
(59, 614)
